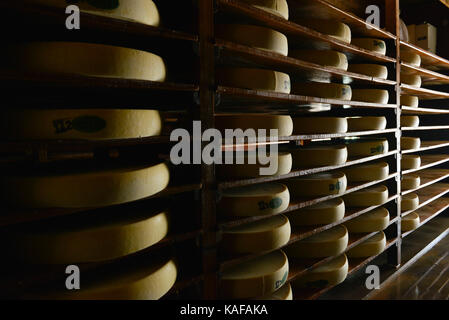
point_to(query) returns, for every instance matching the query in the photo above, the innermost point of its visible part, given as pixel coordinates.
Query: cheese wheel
(366, 148)
(84, 189)
(410, 121)
(370, 95)
(254, 36)
(258, 236)
(410, 181)
(241, 168)
(409, 143)
(254, 200)
(277, 7)
(323, 90)
(410, 222)
(367, 172)
(90, 124)
(326, 58)
(409, 101)
(319, 156)
(372, 70)
(410, 161)
(409, 202)
(334, 29)
(284, 293)
(368, 197)
(321, 213)
(410, 58)
(317, 185)
(374, 45)
(366, 123)
(257, 277)
(411, 80)
(284, 124)
(369, 248)
(328, 243)
(86, 59)
(86, 238)
(376, 220)
(310, 125)
(254, 79)
(328, 274)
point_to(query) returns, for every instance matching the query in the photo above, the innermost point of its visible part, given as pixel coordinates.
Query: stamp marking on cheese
(279, 283)
(86, 124)
(273, 204)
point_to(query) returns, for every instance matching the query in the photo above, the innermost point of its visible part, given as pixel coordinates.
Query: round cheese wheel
(257, 277)
(372, 70)
(284, 293)
(328, 243)
(374, 45)
(84, 189)
(366, 148)
(86, 59)
(411, 80)
(323, 90)
(369, 248)
(368, 197)
(409, 101)
(319, 156)
(376, 220)
(410, 161)
(254, 79)
(410, 222)
(409, 143)
(335, 29)
(90, 124)
(409, 202)
(326, 58)
(254, 36)
(367, 172)
(308, 125)
(284, 124)
(410, 181)
(328, 274)
(277, 7)
(410, 121)
(410, 58)
(321, 213)
(316, 185)
(366, 123)
(258, 236)
(370, 95)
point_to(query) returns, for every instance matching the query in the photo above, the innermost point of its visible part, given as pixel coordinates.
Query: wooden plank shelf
(429, 177)
(428, 161)
(429, 194)
(429, 60)
(423, 110)
(425, 128)
(428, 145)
(428, 77)
(423, 93)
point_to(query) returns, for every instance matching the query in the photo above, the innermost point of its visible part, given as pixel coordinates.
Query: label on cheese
(410, 58)
(410, 222)
(409, 101)
(310, 125)
(409, 202)
(277, 7)
(366, 123)
(410, 181)
(319, 156)
(366, 148)
(411, 80)
(370, 95)
(376, 220)
(368, 197)
(409, 143)
(410, 161)
(284, 293)
(335, 29)
(410, 121)
(371, 247)
(326, 58)
(316, 185)
(367, 172)
(372, 70)
(284, 124)
(321, 213)
(374, 45)
(323, 90)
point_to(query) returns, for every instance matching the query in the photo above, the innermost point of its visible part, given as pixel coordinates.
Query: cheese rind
(375, 220)
(409, 202)
(321, 213)
(370, 95)
(372, 70)
(326, 58)
(410, 161)
(410, 181)
(367, 172)
(371, 44)
(410, 121)
(409, 143)
(366, 123)
(335, 29)
(284, 124)
(319, 156)
(409, 101)
(368, 197)
(316, 185)
(366, 148)
(323, 90)
(411, 80)
(411, 58)
(310, 125)
(410, 222)
(277, 7)
(284, 293)
(371, 247)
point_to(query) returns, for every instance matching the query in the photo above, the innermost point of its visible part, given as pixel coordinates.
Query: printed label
(86, 124)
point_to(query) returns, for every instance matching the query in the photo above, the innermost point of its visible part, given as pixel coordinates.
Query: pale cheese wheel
(257, 277)
(370, 95)
(368, 197)
(86, 59)
(254, 200)
(366, 123)
(375, 220)
(326, 58)
(369, 248)
(317, 185)
(366, 148)
(254, 79)
(335, 29)
(410, 121)
(409, 101)
(372, 70)
(277, 7)
(327, 243)
(310, 125)
(411, 80)
(254, 36)
(90, 124)
(410, 181)
(410, 58)
(323, 90)
(409, 143)
(371, 44)
(410, 222)
(410, 161)
(319, 156)
(258, 236)
(284, 293)
(321, 213)
(409, 202)
(367, 172)
(84, 189)
(284, 124)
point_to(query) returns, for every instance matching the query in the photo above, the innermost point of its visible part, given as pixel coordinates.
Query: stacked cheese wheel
(277, 7)
(319, 156)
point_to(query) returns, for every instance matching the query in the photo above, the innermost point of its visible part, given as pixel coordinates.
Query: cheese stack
(323, 90)
(410, 58)
(371, 247)
(409, 143)
(410, 181)
(409, 202)
(372, 196)
(411, 80)
(325, 58)
(374, 45)
(375, 220)
(317, 185)
(318, 214)
(319, 156)
(310, 125)
(410, 222)
(334, 29)
(372, 70)
(277, 7)
(283, 124)
(366, 147)
(409, 101)
(410, 121)
(410, 161)
(367, 172)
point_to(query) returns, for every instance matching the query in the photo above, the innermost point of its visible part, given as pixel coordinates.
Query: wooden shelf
(425, 128)
(429, 177)
(428, 161)
(429, 60)
(429, 194)
(428, 145)
(418, 111)
(424, 94)
(428, 77)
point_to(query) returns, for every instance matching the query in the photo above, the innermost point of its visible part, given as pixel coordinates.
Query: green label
(378, 149)
(273, 204)
(86, 124)
(336, 186)
(379, 44)
(100, 4)
(279, 283)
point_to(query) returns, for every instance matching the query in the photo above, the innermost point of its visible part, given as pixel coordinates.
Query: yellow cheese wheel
(411, 80)
(370, 95)
(323, 90)
(254, 79)
(368, 197)
(409, 143)
(277, 7)
(319, 156)
(254, 200)
(410, 222)
(86, 59)
(371, 247)
(410, 181)
(84, 189)
(367, 172)
(372, 70)
(326, 58)
(257, 277)
(284, 124)
(317, 185)
(409, 101)
(254, 36)
(335, 29)
(258, 236)
(410, 161)
(87, 238)
(366, 148)
(321, 213)
(410, 58)
(366, 123)
(409, 202)
(284, 293)
(410, 121)
(376, 220)
(91, 124)
(328, 243)
(374, 45)
(328, 274)
(304, 125)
